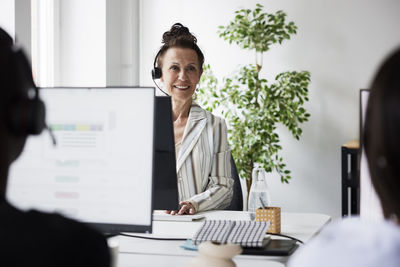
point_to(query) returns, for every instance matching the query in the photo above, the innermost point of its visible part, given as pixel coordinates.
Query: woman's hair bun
(178, 31)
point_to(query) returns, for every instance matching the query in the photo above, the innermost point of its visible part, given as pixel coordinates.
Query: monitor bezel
(115, 228)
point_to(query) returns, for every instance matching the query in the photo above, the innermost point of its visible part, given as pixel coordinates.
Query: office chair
(237, 198)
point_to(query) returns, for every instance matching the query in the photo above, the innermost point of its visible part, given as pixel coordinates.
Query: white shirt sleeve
(352, 242)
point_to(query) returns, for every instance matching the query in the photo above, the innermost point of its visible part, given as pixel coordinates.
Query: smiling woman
(181, 73)
(203, 155)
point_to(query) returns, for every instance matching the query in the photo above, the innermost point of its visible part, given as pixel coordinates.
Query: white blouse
(177, 148)
(203, 162)
(352, 242)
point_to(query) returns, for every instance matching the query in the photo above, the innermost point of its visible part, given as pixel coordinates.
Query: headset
(25, 115)
(156, 72)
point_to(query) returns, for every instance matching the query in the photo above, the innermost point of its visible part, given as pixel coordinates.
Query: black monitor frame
(165, 187)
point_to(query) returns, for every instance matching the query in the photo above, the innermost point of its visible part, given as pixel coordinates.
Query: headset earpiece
(27, 117)
(156, 73)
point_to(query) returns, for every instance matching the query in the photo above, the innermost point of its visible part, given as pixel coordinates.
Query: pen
(262, 203)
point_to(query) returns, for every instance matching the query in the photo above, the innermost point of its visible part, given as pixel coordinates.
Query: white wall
(7, 21)
(340, 42)
(23, 27)
(90, 43)
(122, 45)
(82, 43)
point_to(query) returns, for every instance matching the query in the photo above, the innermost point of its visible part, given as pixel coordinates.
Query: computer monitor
(100, 172)
(165, 196)
(370, 207)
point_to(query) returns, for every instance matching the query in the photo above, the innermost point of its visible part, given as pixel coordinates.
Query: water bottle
(259, 194)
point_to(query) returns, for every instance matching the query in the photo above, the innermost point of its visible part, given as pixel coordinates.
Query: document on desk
(160, 215)
(244, 233)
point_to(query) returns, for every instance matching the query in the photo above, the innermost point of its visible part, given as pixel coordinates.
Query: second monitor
(165, 192)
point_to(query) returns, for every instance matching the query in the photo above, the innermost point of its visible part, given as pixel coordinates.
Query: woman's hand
(185, 207)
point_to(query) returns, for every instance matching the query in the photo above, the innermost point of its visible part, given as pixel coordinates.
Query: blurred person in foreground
(355, 242)
(32, 238)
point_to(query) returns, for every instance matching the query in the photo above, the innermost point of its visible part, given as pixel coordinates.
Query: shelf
(350, 178)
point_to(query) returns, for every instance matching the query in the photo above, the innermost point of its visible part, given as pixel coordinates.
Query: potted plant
(252, 106)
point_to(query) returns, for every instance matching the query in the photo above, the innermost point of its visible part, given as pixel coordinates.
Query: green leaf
(254, 107)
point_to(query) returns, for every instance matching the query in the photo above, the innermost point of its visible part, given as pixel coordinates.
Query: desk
(143, 252)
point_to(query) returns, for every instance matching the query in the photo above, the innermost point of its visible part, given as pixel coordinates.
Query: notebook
(244, 233)
(160, 215)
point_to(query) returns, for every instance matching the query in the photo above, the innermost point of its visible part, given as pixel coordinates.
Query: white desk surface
(144, 252)
(133, 260)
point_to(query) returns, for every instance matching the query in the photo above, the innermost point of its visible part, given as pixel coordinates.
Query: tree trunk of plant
(259, 60)
(259, 63)
(248, 183)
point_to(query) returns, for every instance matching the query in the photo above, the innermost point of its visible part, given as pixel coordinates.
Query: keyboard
(160, 215)
(243, 233)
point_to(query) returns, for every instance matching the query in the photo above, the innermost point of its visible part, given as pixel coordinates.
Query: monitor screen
(370, 207)
(165, 179)
(100, 171)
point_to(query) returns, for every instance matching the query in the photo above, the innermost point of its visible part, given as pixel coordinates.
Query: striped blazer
(203, 163)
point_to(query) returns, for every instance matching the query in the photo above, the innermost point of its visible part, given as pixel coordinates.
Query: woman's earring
(196, 90)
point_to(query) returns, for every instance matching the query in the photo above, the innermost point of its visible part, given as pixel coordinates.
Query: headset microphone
(154, 81)
(52, 136)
